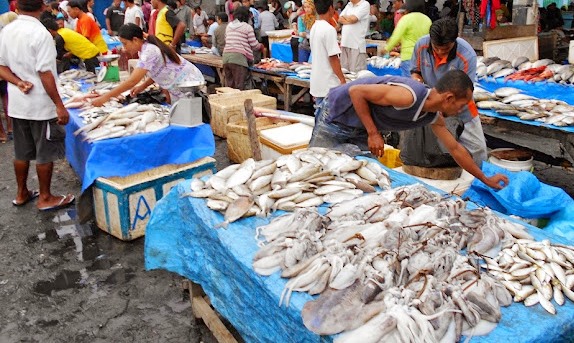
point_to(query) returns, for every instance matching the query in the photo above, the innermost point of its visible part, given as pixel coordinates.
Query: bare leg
(21, 170)
(46, 198)
(5, 107)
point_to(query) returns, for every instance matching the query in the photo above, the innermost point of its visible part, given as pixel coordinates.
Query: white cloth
(132, 13)
(472, 138)
(212, 27)
(27, 48)
(198, 25)
(353, 35)
(268, 22)
(323, 40)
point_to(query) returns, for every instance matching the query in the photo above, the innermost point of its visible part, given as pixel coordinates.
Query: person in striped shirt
(237, 55)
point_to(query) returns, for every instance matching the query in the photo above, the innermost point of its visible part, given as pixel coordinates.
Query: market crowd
(433, 92)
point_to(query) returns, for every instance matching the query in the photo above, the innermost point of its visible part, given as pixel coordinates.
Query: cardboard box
(123, 205)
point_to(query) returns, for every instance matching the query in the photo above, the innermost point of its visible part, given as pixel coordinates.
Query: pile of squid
(388, 266)
(306, 178)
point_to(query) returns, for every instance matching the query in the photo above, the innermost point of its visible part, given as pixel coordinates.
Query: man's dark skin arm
(49, 83)
(7, 74)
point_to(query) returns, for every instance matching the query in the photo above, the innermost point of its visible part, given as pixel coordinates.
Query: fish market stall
(102, 153)
(541, 109)
(239, 267)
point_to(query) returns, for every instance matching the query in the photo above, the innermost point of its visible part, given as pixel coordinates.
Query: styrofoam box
(123, 205)
(284, 140)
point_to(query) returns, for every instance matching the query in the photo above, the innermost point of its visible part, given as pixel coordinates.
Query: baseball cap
(59, 16)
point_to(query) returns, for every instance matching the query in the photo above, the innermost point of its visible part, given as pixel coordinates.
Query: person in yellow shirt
(70, 43)
(85, 25)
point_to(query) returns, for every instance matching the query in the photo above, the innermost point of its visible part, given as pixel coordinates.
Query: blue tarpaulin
(384, 71)
(133, 154)
(525, 196)
(181, 238)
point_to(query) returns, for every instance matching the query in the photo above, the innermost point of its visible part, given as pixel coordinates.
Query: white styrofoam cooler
(284, 140)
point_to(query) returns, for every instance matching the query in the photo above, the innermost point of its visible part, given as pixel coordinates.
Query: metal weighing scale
(108, 72)
(187, 110)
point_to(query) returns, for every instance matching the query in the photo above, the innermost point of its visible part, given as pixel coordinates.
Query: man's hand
(63, 115)
(25, 86)
(376, 144)
(496, 180)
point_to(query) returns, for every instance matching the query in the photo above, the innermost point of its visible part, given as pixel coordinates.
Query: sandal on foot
(66, 200)
(31, 196)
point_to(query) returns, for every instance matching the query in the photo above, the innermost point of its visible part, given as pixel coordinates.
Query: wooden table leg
(287, 97)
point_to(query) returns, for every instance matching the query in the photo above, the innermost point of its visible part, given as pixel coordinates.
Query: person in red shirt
(86, 26)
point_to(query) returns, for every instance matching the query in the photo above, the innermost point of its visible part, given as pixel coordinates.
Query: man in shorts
(28, 64)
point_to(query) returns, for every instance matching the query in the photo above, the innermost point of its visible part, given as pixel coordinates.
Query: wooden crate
(123, 205)
(238, 146)
(225, 106)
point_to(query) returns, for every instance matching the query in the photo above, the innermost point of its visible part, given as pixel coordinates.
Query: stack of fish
(535, 272)
(388, 266)
(521, 68)
(509, 101)
(306, 178)
(382, 62)
(113, 122)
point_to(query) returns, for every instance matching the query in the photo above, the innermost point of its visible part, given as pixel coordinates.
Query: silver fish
(506, 91)
(236, 210)
(518, 61)
(503, 72)
(516, 97)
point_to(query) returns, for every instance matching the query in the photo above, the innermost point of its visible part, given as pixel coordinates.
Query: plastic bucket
(514, 166)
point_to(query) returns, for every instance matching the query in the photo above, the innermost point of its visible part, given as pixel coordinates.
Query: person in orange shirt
(86, 26)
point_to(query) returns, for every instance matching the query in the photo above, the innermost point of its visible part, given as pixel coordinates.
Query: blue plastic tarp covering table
(384, 71)
(181, 238)
(133, 154)
(282, 51)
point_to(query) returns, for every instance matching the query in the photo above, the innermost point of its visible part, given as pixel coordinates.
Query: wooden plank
(510, 31)
(252, 130)
(451, 173)
(202, 309)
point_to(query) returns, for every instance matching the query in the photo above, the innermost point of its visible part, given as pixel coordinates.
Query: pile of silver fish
(535, 272)
(496, 68)
(509, 101)
(306, 178)
(388, 266)
(384, 62)
(121, 121)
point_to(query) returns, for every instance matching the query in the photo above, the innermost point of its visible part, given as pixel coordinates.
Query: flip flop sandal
(31, 196)
(63, 203)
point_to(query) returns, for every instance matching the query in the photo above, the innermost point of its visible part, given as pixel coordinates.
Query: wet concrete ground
(61, 281)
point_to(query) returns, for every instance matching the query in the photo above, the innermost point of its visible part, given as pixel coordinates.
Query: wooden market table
(208, 60)
(290, 82)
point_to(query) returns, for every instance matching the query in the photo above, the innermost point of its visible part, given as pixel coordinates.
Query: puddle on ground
(65, 280)
(120, 276)
(68, 230)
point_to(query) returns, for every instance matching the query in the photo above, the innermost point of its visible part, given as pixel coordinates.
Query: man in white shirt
(133, 14)
(326, 68)
(28, 63)
(207, 39)
(199, 21)
(355, 21)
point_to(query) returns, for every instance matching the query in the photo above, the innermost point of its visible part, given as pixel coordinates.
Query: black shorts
(40, 140)
(3, 87)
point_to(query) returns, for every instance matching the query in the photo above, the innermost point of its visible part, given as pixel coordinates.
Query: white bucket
(514, 166)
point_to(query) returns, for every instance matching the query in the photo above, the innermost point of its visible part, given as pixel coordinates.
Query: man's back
(26, 47)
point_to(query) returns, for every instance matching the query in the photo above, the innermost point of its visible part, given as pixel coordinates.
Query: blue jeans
(332, 134)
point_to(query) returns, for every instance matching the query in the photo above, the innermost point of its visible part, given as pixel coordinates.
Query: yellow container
(391, 158)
